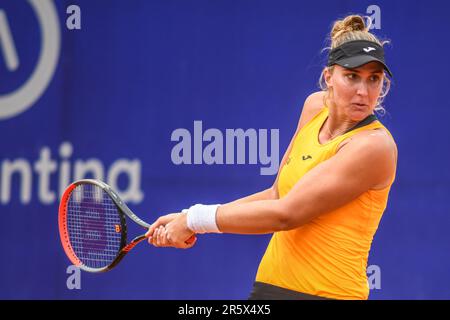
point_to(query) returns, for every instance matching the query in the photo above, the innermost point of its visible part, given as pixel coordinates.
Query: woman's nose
(362, 89)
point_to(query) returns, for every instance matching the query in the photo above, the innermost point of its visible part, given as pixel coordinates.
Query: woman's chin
(359, 113)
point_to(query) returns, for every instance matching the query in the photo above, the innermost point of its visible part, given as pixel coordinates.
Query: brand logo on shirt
(306, 157)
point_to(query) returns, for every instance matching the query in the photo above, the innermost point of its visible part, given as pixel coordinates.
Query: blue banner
(175, 102)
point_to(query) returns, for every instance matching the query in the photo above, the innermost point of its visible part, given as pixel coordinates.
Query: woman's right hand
(157, 233)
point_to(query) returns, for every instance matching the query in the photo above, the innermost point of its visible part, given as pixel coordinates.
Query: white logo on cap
(368, 49)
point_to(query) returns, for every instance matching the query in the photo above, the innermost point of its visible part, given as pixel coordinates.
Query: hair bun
(348, 24)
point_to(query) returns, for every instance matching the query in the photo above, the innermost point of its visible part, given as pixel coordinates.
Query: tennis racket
(92, 226)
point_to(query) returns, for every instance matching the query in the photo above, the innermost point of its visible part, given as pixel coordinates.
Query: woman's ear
(327, 74)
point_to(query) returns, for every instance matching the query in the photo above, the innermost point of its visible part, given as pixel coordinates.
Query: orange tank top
(328, 256)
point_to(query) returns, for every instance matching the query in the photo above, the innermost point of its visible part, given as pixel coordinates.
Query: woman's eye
(351, 76)
(374, 79)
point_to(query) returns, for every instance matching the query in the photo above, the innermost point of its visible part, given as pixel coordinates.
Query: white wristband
(202, 218)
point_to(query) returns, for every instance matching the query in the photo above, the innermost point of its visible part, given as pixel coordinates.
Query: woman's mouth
(359, 107)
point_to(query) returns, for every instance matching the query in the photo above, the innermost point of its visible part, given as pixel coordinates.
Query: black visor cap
(354, 54)
(358, 61)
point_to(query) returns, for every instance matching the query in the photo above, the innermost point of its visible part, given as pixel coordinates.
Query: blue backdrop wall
(106, 101)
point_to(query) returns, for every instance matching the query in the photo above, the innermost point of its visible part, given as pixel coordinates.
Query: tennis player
(331, 190)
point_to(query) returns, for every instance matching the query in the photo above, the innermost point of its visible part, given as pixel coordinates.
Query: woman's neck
(336, 123)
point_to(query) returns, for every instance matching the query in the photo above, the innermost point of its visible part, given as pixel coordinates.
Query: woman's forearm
(255, 217)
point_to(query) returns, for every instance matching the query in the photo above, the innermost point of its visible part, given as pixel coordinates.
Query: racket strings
(94, 226)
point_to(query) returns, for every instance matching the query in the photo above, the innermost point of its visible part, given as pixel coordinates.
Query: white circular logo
(24, 97)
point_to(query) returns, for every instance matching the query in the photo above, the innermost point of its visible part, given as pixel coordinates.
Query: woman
(331, 190)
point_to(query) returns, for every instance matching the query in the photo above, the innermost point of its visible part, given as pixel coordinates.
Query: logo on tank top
(306, 157)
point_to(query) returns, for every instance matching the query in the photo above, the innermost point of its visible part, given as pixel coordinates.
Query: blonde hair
(353, 27)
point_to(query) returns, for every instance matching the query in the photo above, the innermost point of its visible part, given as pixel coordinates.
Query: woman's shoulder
(374, 137)
(313, 104)
(380, 147)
